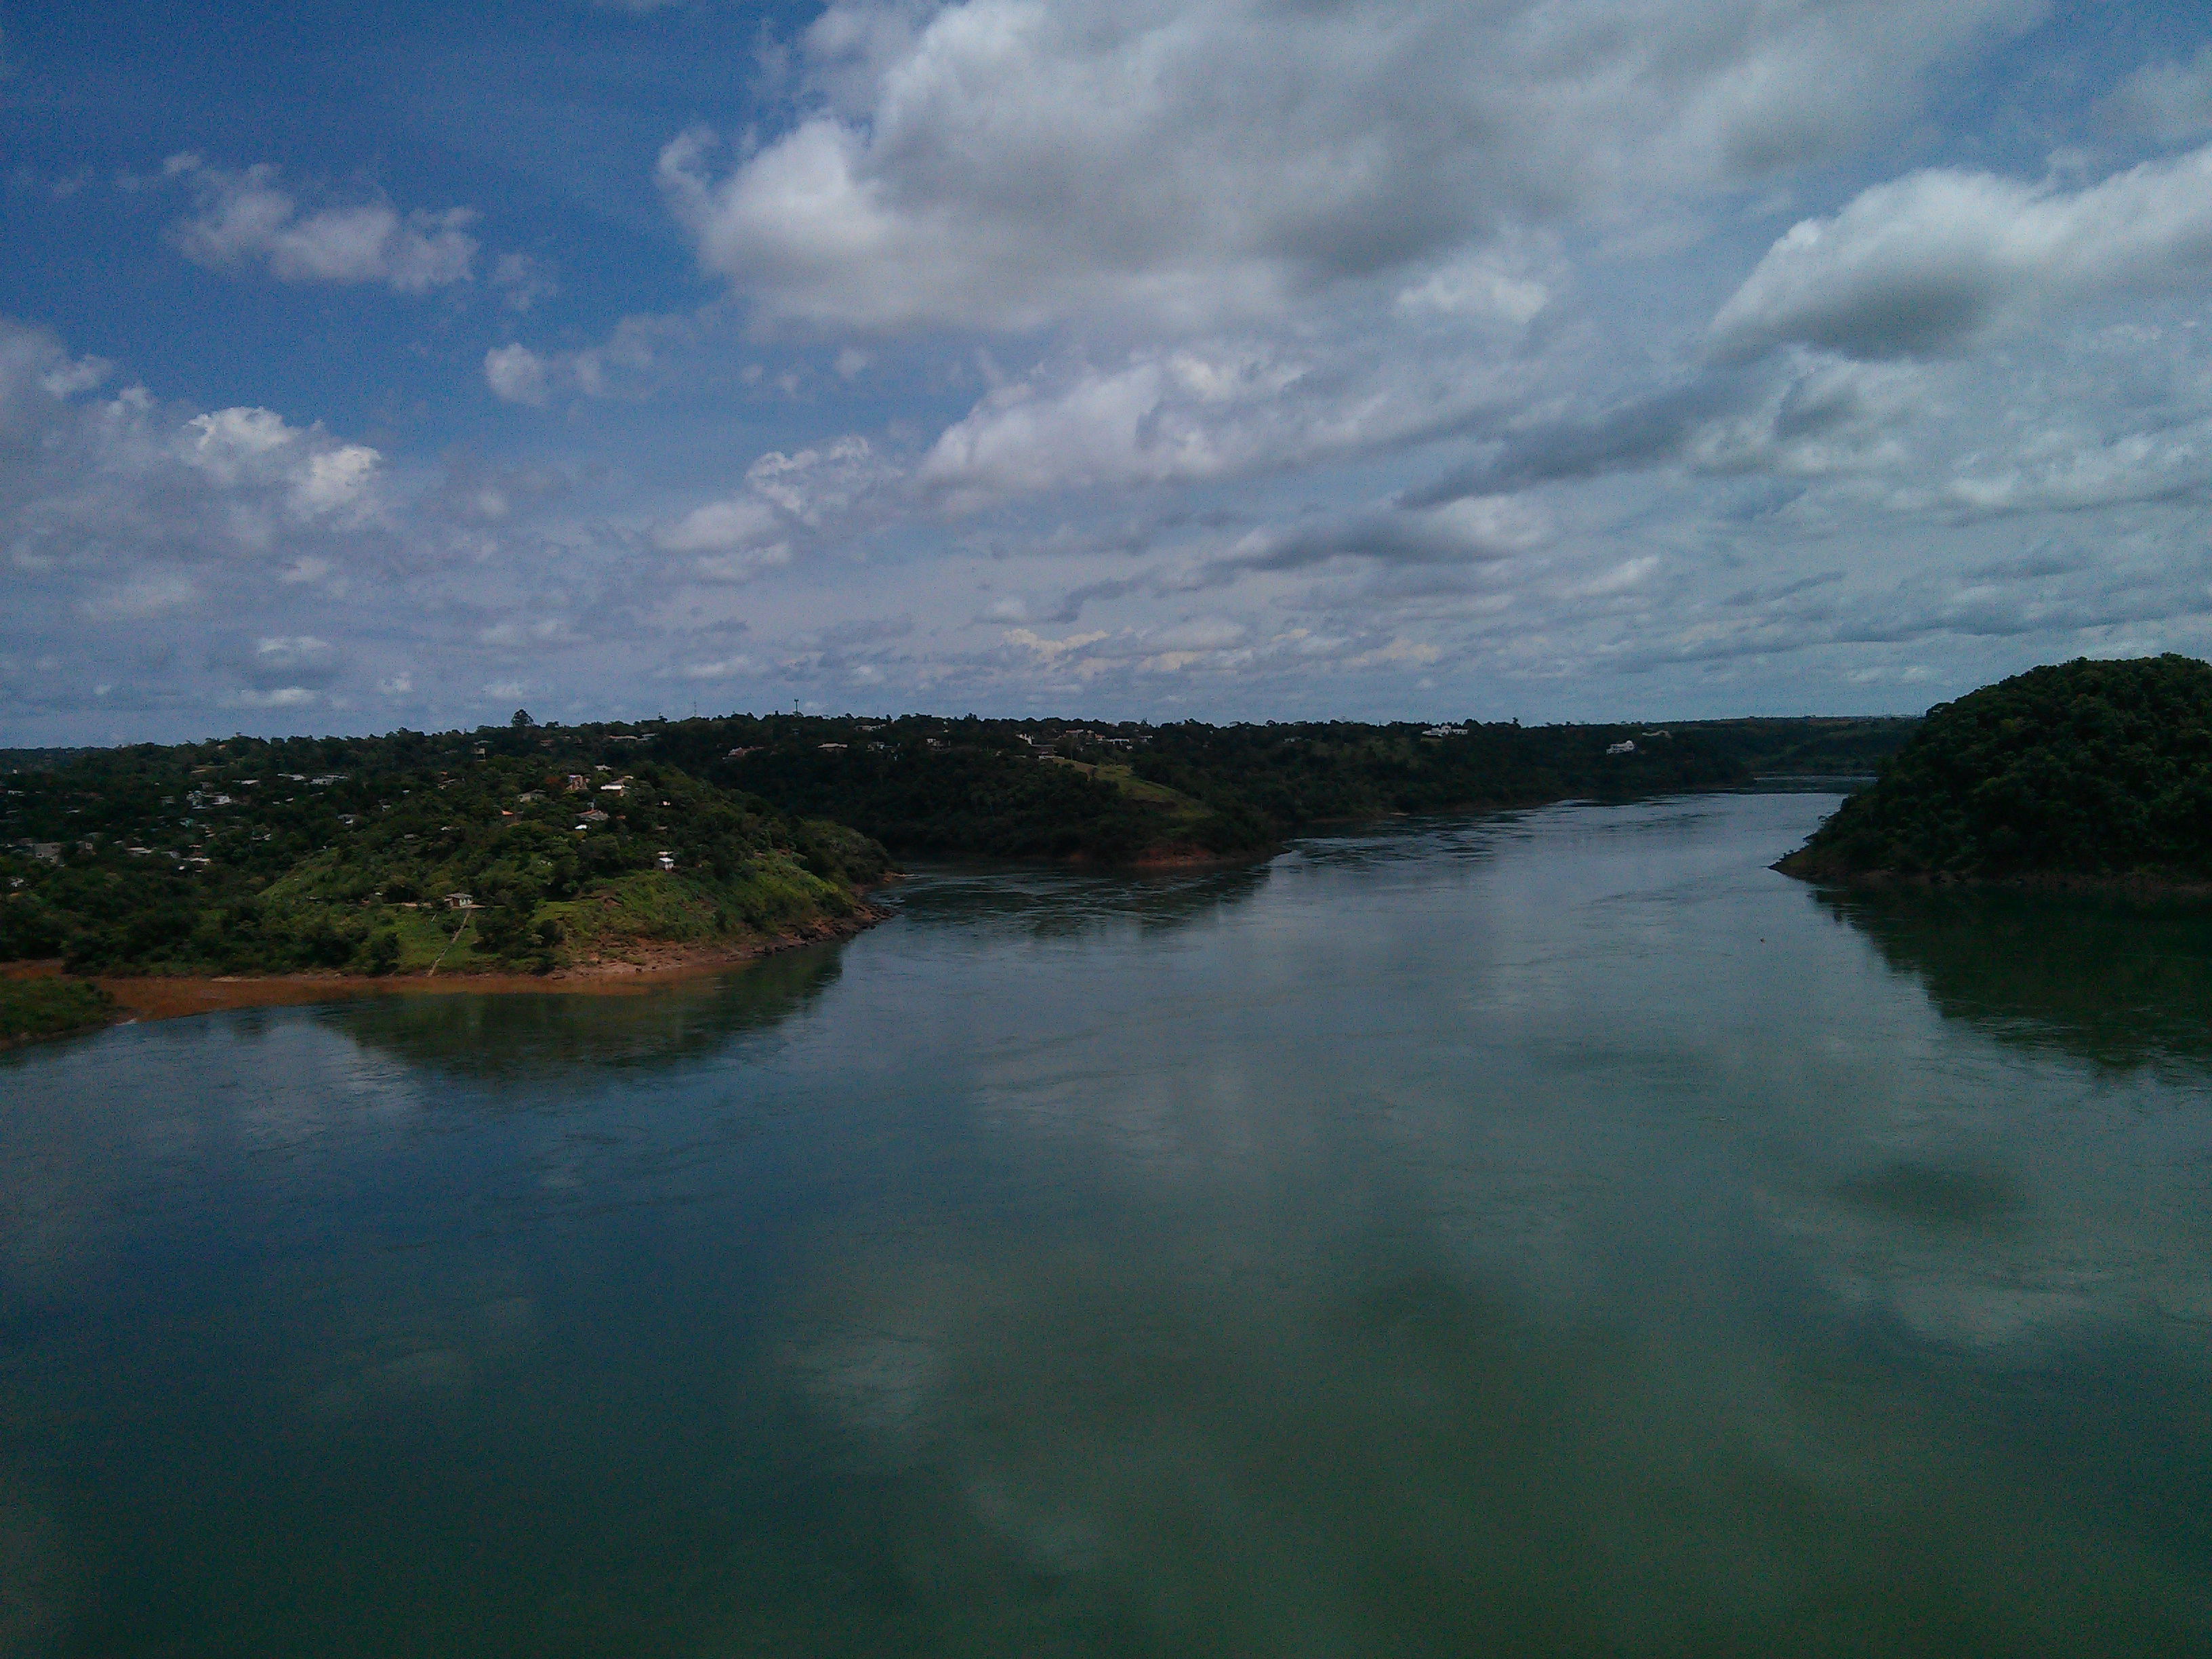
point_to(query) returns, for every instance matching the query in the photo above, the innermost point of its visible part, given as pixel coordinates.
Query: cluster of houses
(1082, 735)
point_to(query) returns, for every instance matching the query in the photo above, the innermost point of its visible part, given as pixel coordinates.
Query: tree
(521, 719)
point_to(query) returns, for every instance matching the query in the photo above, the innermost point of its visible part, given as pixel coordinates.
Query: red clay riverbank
(648, 965)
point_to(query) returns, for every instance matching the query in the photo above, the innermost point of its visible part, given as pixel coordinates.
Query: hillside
(1054, 788)
(547, 847)
(2085, 771)
(401, 855)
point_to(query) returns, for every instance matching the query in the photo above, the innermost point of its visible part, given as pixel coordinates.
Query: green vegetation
(47, 1007)
(1815, 746)
(2100, 770)
(1052, 788)
(533, 847)
(399, 855)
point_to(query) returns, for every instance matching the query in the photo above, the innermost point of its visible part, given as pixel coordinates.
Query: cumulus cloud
(319, 477)
(786, 497)
(1209, 409)
(1226, 155)
(823, 479)
(1928, 262)
(249, 217)
(132, 516)
(637, 355)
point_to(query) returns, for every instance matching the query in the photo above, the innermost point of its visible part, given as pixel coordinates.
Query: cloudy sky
(371, 365)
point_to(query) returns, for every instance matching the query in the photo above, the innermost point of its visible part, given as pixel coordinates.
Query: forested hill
(512, 848)
(2081, 770)
(1056, 789)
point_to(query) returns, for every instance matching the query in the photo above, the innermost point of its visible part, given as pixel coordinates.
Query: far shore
(648, 965)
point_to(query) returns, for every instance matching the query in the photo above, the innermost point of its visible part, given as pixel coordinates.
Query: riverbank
(2144, 886)
(33, 1008)
(644, 965)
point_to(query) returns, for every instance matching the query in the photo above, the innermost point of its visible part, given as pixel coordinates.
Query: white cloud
(1228, 154)
(2167, 99)
(1200, 634)
(320, 478)
(719, 527)
(516, 374)
(1489, 285)
(820, 480)
(639, 354)
(1051, 650)
(36, 377)
(2064, 471)
(1930, 262)
(523, 280)
(249, 217)
(729, 668)
(1212, 409)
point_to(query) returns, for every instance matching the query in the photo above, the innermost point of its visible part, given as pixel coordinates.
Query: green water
(1547, 1235)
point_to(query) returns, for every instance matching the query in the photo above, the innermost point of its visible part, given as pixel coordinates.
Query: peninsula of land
(2083, 774)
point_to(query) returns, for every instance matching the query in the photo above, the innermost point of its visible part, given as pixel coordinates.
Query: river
(1548, 1233)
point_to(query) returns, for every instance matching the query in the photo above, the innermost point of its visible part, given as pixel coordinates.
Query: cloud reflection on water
(1481, 1244)
(1542, 1234)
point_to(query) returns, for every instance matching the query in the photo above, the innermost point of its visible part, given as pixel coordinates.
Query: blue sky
(368, 365)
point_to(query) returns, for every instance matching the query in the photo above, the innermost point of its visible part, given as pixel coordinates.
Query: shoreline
(2145, 887)
(144, 998)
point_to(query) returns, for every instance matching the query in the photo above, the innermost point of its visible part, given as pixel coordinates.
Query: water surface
(1549, 1234)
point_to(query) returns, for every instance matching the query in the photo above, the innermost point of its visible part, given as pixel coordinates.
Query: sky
(367, 366)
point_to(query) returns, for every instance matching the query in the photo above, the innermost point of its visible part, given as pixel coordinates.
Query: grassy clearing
(1124, 779)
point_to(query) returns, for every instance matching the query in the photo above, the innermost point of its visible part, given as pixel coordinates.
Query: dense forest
(542, 847)
(2081, 770)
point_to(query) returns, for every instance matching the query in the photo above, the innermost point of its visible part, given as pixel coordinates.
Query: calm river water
(1546, 1234)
